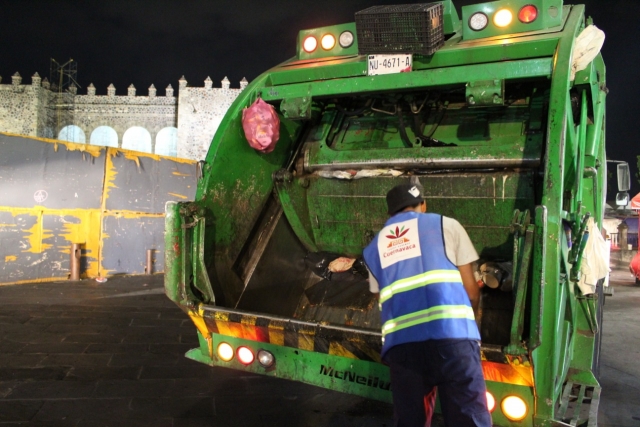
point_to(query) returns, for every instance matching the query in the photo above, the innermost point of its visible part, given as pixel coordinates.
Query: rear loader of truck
(497, 114)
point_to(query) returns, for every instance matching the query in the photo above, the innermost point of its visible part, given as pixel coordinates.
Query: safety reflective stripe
(428, 315)
(414, 282)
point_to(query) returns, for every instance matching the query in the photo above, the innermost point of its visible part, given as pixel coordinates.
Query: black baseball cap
(403, 195)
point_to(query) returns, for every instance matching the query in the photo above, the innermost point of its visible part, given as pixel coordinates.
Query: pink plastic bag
(261, 126)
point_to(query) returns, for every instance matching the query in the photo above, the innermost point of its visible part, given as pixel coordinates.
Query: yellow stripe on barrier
(276, 333)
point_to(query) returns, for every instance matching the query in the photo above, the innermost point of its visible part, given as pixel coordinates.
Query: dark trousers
(450, 366)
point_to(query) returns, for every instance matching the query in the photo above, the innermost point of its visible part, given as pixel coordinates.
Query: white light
(478, 21)
(346, 39)
(265, 358)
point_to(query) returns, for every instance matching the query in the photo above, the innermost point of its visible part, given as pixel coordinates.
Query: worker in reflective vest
(420, 263)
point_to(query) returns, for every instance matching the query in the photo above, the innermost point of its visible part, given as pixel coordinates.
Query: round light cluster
(328, 41)
(513, 407)
(503, 18)
(245, 355)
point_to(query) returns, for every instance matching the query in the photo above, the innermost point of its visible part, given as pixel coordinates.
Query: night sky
(157, 41)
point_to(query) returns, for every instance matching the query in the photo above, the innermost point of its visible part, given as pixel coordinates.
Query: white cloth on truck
(595, 260)
(587, 47)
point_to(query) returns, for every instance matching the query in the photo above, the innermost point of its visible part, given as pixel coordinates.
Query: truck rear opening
(492, 129)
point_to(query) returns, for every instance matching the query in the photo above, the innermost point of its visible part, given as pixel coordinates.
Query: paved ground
(620, 363)
(89, 354)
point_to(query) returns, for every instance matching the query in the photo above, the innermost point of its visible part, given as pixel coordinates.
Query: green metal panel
(437, 77)
(359, 377)
(344, 215)
(455, 53)
(550, 355)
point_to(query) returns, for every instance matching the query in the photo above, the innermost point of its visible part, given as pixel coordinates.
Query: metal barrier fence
(54, 194)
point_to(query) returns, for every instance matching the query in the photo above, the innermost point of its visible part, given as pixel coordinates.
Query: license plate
(389, 64)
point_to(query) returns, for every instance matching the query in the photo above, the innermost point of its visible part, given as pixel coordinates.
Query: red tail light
(310, 44)
(491, 402)
(528, 14)
(245, 356)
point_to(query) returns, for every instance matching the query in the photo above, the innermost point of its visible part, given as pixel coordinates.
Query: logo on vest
(396, 236)
(400, 243)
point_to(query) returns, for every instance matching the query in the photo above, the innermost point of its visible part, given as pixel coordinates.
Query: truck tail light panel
(498, 18)
(327, 42)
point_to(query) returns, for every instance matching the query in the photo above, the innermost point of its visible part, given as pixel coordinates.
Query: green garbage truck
(498, 111)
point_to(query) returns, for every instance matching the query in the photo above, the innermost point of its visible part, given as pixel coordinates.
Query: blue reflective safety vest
(421, 292)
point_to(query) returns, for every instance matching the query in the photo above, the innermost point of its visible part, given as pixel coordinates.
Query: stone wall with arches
(168, 125)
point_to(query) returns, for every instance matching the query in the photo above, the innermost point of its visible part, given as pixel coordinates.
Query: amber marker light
(225, 351)
(491, 402)
(328, 41)
(528, 14)
(502, 18)
(310, 44)
(514, 408)
(245, 356)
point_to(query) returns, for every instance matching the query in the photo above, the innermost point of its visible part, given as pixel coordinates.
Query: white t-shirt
(457, 245)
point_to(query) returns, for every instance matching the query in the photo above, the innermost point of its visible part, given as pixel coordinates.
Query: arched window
(167, 142)
(104, 136)
(72, 133)
(137, 138)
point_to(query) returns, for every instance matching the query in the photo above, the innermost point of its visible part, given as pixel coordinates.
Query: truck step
(578, 406)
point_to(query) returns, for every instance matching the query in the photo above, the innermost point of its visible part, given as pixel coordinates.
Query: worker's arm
(374, 287)
(470, 285)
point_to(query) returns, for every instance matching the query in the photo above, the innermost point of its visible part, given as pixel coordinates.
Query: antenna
(63, 78)
(63, 75)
